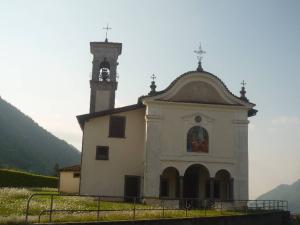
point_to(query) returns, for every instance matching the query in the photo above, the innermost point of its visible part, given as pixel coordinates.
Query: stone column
(231, 189)
(113, 69)
(211, 188)
(181, 187)
(152, 157)
(95, 69)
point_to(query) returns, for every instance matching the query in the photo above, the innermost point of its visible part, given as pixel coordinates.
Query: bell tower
(104, 73)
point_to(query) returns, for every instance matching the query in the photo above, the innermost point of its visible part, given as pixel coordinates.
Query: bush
(13, 178)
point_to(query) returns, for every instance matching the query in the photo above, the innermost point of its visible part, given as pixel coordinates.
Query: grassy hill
(291, 193)
(27, 146)
(13, 178)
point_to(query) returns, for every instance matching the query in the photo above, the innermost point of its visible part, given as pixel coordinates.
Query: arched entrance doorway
(169, 183)
(195, 180)
(223, 185)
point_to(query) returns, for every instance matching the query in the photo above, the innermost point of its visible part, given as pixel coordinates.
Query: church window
(102, 152)
(76, 174)
(198, 119)
(197, 140)
(117, 126)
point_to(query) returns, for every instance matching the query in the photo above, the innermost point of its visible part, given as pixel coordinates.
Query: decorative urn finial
(153, 85)
(243, 92)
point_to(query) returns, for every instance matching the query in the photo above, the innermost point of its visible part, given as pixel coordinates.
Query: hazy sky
(45, 63)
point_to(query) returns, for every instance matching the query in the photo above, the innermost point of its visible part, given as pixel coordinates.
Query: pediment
(198, 87)
(198, 92)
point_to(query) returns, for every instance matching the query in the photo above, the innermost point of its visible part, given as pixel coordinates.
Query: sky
(45, 63)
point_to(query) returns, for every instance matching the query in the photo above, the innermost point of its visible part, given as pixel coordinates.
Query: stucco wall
(228, 148)
(106, 177)
(272, 218)
(68, 183)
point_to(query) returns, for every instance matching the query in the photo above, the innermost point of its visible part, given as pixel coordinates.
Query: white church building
(189, 140)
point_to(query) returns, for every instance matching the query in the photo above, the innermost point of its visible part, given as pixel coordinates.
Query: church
(189, 140)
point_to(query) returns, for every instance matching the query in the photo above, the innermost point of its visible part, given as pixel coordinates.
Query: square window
(76, 174)
(102, 152)
(117, 126)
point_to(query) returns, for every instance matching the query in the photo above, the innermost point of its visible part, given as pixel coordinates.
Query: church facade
(189, 140)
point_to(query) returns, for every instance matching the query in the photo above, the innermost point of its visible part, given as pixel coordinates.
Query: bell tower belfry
(103, 83)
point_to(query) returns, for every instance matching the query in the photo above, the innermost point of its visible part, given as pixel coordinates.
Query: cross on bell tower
(104, 74)
(107, 29)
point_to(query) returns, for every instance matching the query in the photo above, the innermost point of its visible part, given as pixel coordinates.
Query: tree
(56, 170)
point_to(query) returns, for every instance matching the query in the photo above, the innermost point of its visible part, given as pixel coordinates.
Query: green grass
(13, 207)
(13, 178)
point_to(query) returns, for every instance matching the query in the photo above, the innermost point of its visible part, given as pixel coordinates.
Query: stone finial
(243, 92)
(199, 68)
(153, 85)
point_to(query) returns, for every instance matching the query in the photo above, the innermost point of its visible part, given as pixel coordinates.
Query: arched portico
(169, 183)
(195, 182)
(223, 185)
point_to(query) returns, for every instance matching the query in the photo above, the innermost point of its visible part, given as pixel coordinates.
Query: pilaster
(241, 184)
(152, 156)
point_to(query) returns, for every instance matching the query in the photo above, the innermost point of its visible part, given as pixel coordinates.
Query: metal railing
(163, 205)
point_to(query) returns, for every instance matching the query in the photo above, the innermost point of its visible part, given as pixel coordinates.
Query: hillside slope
(27, 146)
(13, 178)
(291, 193)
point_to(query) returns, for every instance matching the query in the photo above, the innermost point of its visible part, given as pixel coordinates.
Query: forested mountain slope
(291, 193)
(27, 146)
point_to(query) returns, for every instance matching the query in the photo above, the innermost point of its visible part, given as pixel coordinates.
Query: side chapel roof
(74, 168)
(82, 118)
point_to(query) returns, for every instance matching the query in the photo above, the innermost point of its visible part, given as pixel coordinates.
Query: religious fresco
(197, 140)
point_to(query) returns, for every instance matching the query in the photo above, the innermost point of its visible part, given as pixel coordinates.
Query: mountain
(27, 146)
(291, 193)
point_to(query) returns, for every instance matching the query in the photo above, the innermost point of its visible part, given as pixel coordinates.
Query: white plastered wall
(106, 177)
(169, 123)
(68, 183)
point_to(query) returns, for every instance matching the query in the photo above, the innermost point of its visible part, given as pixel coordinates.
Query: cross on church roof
(243, 83)
(107, 29)
(153, 77)
(199, 54)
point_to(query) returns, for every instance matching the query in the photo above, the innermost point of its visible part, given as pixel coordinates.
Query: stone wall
(275, 218)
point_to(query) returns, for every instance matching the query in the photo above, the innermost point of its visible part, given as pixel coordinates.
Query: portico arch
(169, 183)
(223, 185)
(195, 182)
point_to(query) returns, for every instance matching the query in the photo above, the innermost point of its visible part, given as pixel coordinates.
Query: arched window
(197, 140)
(104, 71)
